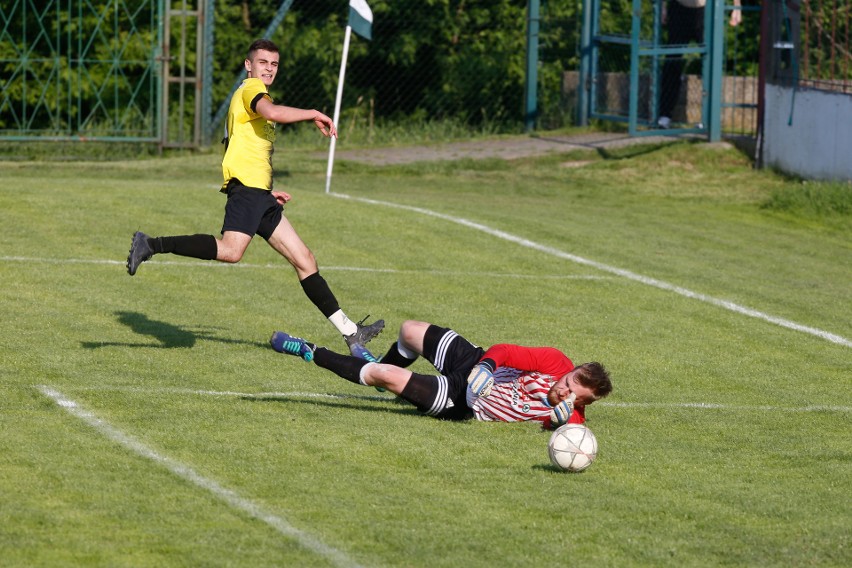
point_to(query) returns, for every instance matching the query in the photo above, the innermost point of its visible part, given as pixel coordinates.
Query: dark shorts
(250, 210)
(443, 396)
(685, 24)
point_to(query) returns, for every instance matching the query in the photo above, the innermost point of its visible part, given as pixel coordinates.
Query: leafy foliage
(93, 70)
(434, 59)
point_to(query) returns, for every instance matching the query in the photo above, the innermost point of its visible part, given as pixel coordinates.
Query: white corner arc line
(834, 338)
(227, 495)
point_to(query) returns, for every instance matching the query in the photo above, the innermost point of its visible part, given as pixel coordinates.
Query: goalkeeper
(508, 383)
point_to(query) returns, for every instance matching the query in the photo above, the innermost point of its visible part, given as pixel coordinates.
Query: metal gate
(186, 97)
(632, 67)
(76, 71)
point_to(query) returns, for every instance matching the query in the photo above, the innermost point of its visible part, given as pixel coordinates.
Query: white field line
(390, 398)
(728, 305)
(227, 495)
(733, 407)
(612, 270)
(284, 265)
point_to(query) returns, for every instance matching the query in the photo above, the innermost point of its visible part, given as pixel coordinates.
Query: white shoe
(664, 122)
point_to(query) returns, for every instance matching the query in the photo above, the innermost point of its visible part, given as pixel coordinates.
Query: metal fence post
(585, 64)
(714, 84)
(532, 65)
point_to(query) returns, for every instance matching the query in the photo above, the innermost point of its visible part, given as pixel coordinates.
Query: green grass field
(145, 421)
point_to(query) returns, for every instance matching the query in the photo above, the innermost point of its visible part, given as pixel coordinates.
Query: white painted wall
(818, 142)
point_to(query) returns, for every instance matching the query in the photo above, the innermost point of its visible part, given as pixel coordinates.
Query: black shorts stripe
(443, 395)
(440, 401)
(443, 346)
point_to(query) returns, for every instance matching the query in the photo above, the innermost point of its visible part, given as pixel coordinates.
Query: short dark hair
(594, 376)
(259, 44)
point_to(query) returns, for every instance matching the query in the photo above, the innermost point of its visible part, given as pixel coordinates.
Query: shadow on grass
(169, 335)
(394, 405)
(552, 469)
(620, 152)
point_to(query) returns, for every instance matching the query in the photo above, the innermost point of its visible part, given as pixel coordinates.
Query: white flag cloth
(361, 18)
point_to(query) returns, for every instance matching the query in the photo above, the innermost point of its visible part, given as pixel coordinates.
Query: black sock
(394, 357)
(195, 246)
(318, 292)
(344, 366)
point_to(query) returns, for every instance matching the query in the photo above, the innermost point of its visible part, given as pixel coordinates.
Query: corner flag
(361, 21)
(360, 18)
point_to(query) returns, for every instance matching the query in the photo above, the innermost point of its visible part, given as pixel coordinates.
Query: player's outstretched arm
(542, 359)
(288, 115)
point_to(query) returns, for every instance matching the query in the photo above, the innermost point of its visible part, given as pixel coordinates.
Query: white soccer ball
(572, 447)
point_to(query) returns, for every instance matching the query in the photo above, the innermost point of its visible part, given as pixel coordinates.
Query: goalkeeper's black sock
(394, 357)
(195, 246)
(344, 366)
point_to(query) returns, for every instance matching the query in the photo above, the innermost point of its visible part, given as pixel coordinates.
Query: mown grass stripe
(284, 265)
(834, 338)
(229, 496)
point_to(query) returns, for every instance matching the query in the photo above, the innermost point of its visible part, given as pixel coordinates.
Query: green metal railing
(621, 66)
(73, 71)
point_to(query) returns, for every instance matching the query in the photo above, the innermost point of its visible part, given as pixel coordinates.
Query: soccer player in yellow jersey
(253, 208)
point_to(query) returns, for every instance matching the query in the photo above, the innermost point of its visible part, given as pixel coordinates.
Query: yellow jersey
(248, 147)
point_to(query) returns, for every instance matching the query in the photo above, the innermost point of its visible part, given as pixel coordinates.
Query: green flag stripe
(361, 18)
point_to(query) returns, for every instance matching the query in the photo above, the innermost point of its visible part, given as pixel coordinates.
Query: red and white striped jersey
(522, 378)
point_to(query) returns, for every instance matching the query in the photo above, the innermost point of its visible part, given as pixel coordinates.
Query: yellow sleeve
(253, 91)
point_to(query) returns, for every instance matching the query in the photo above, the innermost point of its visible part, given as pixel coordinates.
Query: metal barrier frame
(712, 54)
(78, 74)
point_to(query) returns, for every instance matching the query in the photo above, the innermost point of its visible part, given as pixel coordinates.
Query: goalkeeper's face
(568, 384)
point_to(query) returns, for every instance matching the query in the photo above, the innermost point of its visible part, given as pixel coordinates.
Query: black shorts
(250, 210)
(443, 396)
(685, 24)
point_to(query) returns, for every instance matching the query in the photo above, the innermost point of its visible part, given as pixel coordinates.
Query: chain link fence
(457, 63)
(461, 64)
(812, 43)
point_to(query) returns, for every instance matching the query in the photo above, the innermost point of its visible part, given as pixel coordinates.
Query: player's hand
(562, 412)
(325, 125)
(281, 197)
(736, 18)
(480, 380)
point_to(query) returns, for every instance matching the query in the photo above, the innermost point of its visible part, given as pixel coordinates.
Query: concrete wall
(818, 143)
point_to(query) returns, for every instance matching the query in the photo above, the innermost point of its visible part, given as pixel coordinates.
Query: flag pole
(337, 107)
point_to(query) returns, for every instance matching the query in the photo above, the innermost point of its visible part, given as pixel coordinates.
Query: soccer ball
(572, 447)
